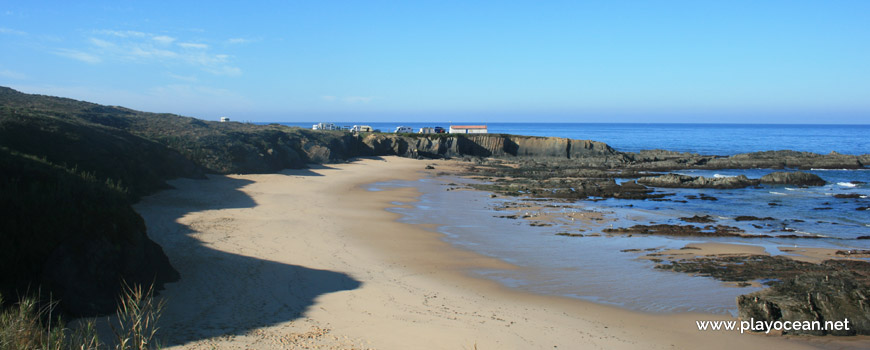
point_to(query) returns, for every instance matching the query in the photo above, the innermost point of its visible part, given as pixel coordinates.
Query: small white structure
(325, 126)
(404, 130)
(361, 128)
(468, 129)
(225, 119)
(426, 130)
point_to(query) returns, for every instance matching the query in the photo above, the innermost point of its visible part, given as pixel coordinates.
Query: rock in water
(684, 181)
(797, 178)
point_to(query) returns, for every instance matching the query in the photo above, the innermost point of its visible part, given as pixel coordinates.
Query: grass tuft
(28, 325)
(138, 313)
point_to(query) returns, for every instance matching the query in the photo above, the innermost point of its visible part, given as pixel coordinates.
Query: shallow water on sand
(591, 268)
(594, 267)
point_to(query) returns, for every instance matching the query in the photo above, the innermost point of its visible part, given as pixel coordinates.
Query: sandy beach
(310, 259)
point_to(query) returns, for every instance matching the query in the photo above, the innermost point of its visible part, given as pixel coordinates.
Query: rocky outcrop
(490, 145)
(658, 160)
(838, 291)
(684, 181)
(786, 159)
(792, 178)
(796, 178)
(799, 291)
(680, 230)
(662, 160)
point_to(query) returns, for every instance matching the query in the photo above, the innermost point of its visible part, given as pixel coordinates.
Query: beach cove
(311, 258)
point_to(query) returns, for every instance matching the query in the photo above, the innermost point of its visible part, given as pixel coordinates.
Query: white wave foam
(791, 189)
(847, 184)
(720, 176)
(777, 193)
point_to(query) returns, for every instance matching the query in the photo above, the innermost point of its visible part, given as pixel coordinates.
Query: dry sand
(310, 259)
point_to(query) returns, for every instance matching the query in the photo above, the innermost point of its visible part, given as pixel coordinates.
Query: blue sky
(477, 61)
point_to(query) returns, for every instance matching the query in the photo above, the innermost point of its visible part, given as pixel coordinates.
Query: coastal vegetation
(33, 324)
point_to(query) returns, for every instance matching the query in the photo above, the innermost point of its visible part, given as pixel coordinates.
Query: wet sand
(310, 259)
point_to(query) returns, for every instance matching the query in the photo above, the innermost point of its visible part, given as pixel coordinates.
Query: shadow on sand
(222, 293)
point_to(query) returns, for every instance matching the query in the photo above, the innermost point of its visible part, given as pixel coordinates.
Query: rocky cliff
(488, 145)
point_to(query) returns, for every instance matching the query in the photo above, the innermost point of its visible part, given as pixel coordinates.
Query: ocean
(708, 139)
(597, 268)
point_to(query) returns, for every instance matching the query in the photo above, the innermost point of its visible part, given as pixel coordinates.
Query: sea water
(595, 268)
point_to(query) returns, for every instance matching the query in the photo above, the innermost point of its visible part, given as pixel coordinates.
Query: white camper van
(361, 128)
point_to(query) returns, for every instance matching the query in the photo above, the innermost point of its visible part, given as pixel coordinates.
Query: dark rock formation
(777, 178)
(489, 145)
(658, 160)
(799, 291)
(684, 181)
(797, 178)
(786, 159)
(706, 219)
(682, 230)
(833, 291)
(753, 218)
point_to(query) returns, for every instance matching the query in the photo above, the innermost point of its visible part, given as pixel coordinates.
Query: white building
(225, 119)
(404, 130)
(468, 129)
(426, 130)
(325, 126)
(361, 128)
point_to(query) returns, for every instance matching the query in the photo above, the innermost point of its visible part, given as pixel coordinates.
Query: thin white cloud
(187, 78)
(163, 39)
(101, 43)
(237, 41)
(4, 30)
(151, 52)
(147, 48)
(123, 33)
(8, 74)
(328, 98)
(78, 55)
(224, 70)
(193, 46)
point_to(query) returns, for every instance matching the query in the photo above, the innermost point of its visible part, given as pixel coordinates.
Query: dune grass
(29, 324)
